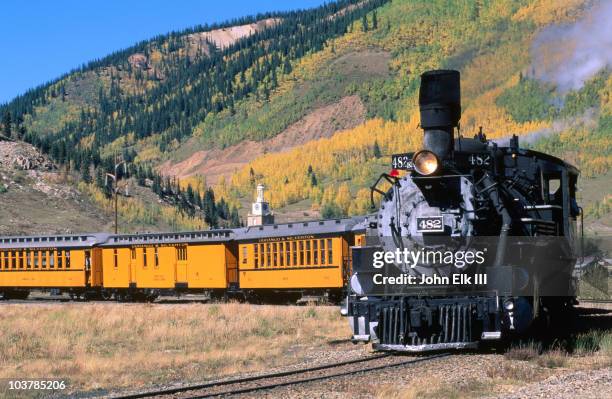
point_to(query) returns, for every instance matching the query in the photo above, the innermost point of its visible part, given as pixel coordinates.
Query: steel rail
(186, 388)
(312, 379)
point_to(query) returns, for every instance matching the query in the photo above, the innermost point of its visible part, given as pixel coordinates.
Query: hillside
(312, 102)
(36, 196)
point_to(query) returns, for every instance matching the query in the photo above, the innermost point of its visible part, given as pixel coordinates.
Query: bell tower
(260, 210)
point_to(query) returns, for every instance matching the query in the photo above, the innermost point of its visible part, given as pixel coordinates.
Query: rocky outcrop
(138, 60)
(23, 156)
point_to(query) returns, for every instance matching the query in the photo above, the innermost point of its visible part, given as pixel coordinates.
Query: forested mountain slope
(311, 103)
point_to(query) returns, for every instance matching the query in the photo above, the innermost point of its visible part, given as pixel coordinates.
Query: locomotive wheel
(123, 297)
(253, 297)
(218, 296)
(152, 296)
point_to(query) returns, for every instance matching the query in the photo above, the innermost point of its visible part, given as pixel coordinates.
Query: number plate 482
(430, 224)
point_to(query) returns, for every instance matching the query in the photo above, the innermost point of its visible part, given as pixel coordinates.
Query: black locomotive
(475, 243)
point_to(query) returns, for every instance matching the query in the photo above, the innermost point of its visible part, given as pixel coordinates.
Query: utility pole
(115, 186)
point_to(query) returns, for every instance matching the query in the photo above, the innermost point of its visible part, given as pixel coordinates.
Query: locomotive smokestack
(440, 106)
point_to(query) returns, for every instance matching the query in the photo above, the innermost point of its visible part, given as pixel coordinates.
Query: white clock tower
(260, 210)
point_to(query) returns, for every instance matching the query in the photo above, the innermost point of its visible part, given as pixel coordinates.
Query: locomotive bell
(440, 107)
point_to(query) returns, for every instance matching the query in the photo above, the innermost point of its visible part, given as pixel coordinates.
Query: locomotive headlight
(425, 162)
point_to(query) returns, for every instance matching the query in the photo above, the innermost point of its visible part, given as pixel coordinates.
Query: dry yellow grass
(101, 346)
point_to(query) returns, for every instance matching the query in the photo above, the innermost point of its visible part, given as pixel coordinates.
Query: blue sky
(42, 39)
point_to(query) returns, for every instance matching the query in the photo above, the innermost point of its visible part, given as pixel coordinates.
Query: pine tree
(287, 67)
(6, 123)
(222, 209)
(252, 177)
(210, 209)
(376, 150)
(157, 186)
(313, 180)
(190, 195)
(85, 173)
(100, 178)
(234, 218)
(364, 23)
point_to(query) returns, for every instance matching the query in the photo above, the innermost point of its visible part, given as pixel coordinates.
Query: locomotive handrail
(391, 179)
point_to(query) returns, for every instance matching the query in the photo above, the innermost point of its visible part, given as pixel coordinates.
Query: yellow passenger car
(68, 262)
(304, 256)
(140, 263)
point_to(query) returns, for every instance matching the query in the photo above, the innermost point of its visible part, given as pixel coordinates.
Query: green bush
(589, 342)
(330, 211)
(524, 351)
(553, 359)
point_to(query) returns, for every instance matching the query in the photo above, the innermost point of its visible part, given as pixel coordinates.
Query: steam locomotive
(475, 243)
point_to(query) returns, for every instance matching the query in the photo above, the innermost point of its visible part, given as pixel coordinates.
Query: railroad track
(595, 300)
(268, 381)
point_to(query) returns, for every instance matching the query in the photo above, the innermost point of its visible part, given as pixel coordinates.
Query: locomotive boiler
(474, 243)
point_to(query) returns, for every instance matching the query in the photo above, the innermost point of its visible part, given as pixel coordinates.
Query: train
(473, 243)
(279, 262)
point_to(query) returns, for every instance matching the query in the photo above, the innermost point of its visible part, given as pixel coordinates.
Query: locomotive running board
(425, 347)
